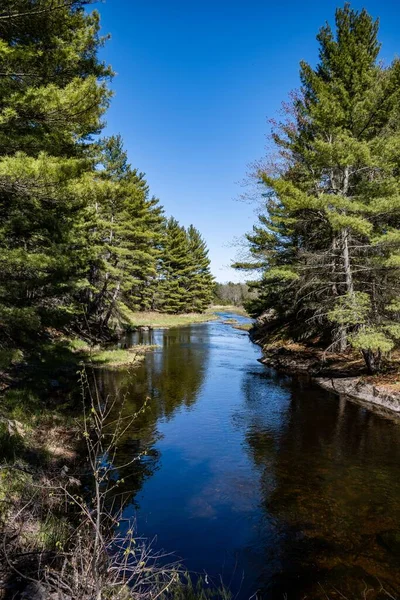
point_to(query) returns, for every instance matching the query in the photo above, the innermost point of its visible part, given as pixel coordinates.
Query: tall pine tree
(328, 243)
(186, 283)
(128, 235)
(175, 269)
(53, 95)
(201, 281)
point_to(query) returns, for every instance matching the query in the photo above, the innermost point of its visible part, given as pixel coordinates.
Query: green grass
(112, 358)
(238, 310)
(118, 357)
(243, 326)
(98, 356)
(162, 320)
(236, 325)
(78, 345)
(10, 357)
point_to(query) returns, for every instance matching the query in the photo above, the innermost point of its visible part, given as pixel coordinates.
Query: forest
(82, 238)
(327, 242)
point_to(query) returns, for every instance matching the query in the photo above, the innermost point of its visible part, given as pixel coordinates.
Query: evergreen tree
(128, 234)
(80, 234)
(201, 281)
(185, 283)
(175, 269)
(53, 95)
(328, 244)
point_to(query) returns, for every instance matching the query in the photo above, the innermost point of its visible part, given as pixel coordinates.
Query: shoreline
(136, 321)
(339, 374)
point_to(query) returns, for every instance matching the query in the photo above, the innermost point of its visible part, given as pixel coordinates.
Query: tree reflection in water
(330, 487)
(170, 377)
(262, 478)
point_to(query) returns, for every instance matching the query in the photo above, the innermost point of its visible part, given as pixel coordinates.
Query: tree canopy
(80, 232)
(327, 243)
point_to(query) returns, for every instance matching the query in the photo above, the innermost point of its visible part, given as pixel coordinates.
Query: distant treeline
(234, 294)
(80, 234)
(327, 244)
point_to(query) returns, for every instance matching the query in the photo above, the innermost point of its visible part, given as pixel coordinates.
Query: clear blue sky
(196, 82)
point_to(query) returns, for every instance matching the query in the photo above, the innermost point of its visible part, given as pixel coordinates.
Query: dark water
(270, 482)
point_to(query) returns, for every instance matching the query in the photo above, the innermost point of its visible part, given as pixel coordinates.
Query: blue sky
(195, 84)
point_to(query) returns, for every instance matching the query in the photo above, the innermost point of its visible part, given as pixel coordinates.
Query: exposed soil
(340, 373)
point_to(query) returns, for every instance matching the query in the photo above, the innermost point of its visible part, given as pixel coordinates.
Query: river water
(275, 485)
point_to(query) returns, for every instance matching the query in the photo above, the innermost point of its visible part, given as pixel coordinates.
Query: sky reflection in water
(266, 480)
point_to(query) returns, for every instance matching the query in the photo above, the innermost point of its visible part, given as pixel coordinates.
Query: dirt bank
(342, 374)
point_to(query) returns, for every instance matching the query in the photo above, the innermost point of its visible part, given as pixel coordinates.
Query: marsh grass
(118, 358)
(156, 320)
(243, 326)
(111, 358)
(236, 325)
(238, 310)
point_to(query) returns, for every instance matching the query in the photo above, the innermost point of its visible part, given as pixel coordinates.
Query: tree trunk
(112, 304)
(342, 332)
(342, 338)
(372, 360)
(95, 304)
(348, 282)
(346, 262)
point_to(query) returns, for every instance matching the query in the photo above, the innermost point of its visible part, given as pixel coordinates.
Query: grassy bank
(243, 326)
(236, 325)
(163, 320)
(230, 308)
(111, 358)
(61, 352)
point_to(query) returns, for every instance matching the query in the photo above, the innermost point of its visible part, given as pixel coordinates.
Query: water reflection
(265, 480)
(169, 378)
(329, 482)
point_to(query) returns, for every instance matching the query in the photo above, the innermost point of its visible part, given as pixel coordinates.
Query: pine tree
(80, 234)
(128, 234)
(201, 282)
(328, 244)
(53, 94)
(175, 269)
(185, 280)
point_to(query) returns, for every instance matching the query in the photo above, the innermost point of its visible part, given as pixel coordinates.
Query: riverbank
(108, 357)
(158, 320)
(229, 308)
(56, 349)
(236, 325)
(43, 434)
(342, 374)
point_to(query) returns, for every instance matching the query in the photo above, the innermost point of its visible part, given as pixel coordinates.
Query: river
(264, 480)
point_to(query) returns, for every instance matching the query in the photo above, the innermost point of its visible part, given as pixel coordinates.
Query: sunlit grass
(163, 320)
(243, 326)
(238, 310)
(109, 357)
(236, 325)
(117, 358)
